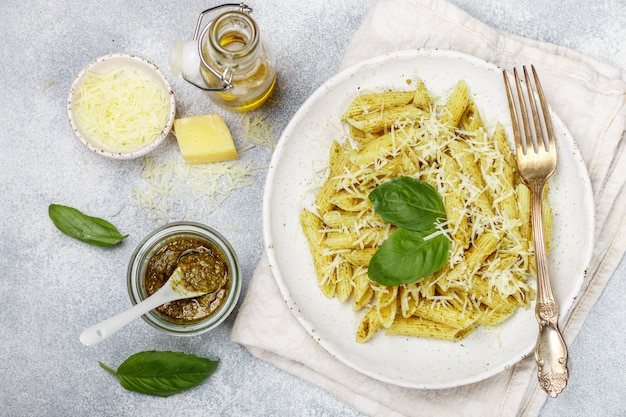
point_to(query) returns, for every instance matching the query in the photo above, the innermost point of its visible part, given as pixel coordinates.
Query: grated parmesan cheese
(258, 131)
(120, 109)
(416, 146)
(177, 190)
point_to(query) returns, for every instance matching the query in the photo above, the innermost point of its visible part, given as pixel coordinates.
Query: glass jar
(236, 65)
(151, 244)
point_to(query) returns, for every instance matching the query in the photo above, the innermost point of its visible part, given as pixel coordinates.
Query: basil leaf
(405, 257)
(162, 373)
(76, 224)
(408, 203)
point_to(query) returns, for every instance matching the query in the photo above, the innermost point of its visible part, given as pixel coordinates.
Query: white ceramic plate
(295, 170)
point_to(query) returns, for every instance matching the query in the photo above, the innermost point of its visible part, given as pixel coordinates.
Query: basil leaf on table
(162, 374)
(408, 203)
(406, 257)
(76, 224)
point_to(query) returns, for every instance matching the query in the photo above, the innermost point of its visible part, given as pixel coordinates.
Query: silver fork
(535, 154)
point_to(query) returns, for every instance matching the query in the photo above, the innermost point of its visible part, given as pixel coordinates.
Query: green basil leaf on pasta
(407, 256)
(408, 203)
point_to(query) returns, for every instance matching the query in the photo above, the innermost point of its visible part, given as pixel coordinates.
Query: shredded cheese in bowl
(121, 106)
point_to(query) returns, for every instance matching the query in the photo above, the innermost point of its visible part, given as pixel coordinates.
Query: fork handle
(550, 350)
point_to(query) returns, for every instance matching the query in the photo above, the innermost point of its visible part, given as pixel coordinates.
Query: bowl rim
(149, 67)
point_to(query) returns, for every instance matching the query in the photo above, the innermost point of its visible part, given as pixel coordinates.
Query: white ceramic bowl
(145, 69)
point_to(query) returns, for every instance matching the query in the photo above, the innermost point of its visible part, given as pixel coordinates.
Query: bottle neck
(232, 42)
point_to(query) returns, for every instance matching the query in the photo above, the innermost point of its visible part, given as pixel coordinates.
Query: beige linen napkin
(589, 96)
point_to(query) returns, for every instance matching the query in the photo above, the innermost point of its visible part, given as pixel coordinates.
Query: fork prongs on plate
(540, 136)
(536, 161)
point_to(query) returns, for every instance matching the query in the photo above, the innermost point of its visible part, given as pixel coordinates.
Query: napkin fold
(589, 96)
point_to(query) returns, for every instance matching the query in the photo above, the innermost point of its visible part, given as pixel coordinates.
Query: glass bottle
(236, 64)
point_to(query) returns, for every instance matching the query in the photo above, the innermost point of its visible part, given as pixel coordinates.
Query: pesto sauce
(204, 269)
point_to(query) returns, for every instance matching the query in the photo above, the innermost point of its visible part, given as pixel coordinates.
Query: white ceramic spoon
(172, 290)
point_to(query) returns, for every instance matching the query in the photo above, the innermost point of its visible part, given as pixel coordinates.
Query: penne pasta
(363, 291)
(338, 160)
(421, 97)
(446, 314)
(487, 207)
(368, 326)
(312, 227)
(386, 118)
(343, 288)
(425, 328)
(409, 299)
(456, 105)
(360, 257)
(470, 119)
(377, 102)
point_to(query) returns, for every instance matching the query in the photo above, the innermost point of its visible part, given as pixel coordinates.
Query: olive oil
(233, 51)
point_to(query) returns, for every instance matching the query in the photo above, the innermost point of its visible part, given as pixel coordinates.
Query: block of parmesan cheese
(204, 138)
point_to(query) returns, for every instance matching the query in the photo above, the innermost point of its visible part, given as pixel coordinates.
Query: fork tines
(541, 138)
